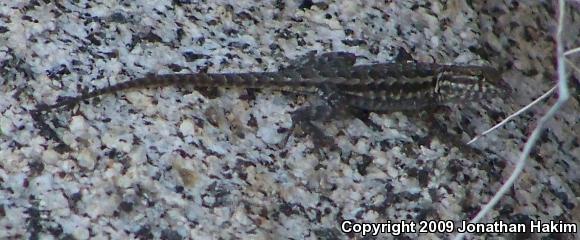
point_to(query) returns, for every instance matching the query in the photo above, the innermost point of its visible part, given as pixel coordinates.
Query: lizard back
(377, 87)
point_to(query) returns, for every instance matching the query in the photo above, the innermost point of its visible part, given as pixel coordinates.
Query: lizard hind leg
(47, 131)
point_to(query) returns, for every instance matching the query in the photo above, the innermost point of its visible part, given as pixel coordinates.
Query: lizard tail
(246, 80)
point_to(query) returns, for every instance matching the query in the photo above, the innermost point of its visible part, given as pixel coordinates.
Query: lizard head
(469, 82)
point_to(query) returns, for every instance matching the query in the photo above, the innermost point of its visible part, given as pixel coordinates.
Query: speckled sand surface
(178, 163)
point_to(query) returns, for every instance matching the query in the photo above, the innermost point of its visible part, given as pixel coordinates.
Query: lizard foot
(303, 119)
(47, 131)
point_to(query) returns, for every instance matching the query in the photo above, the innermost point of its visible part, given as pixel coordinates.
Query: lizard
(344, 87)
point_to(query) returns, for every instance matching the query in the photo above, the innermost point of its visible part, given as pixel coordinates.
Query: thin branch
(572, 51)
(545, 95)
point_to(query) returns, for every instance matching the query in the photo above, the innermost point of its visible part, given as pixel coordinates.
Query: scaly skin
(374, 87)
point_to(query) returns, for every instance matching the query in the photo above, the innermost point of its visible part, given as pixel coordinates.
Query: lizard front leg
(330, 108)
